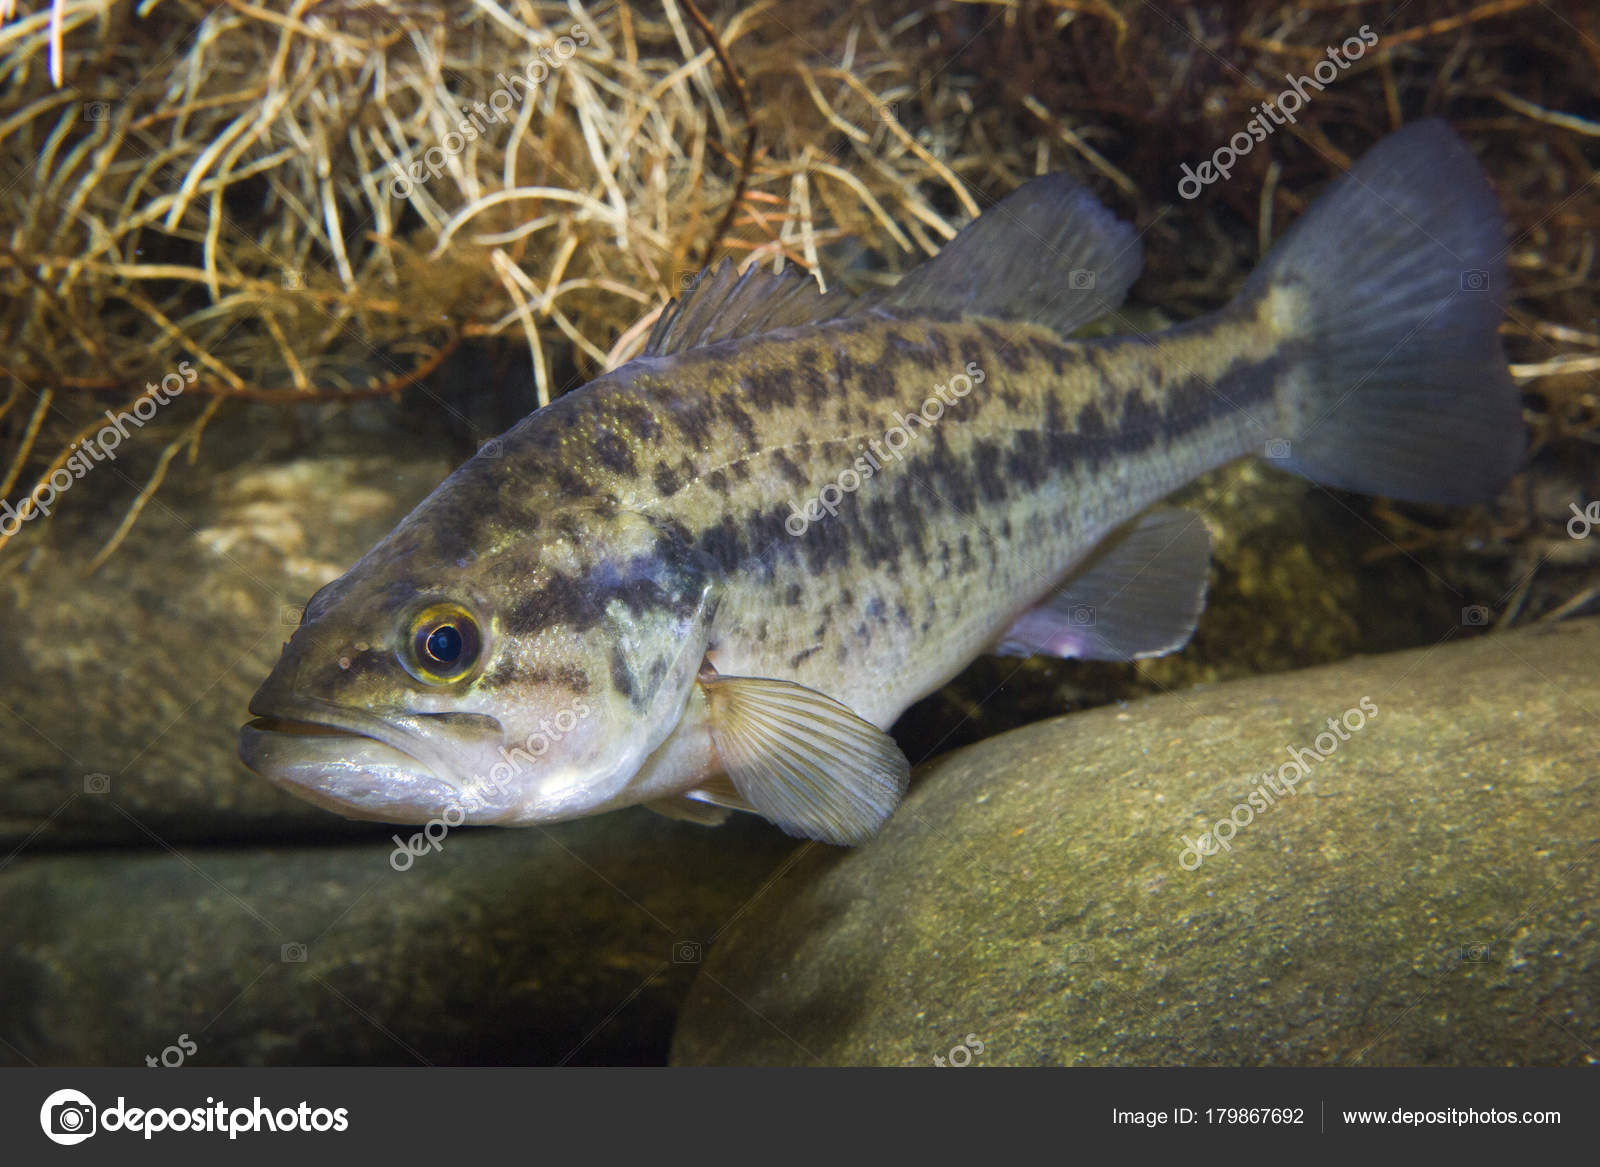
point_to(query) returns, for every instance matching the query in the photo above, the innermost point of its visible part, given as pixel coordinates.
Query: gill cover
(622, 600)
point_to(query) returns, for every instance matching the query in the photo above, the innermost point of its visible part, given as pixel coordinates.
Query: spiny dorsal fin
(725, 305)
(804, 761)
(1138, 594)
(1048, 253)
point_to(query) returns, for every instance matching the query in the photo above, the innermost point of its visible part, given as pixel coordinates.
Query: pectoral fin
(1139, 594)
(804, 761)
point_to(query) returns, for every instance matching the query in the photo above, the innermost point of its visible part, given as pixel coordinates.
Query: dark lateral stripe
(1065, 408)
(972, 475)
(660, 581)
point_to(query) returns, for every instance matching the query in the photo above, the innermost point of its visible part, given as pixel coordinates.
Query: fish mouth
(403, 768)
(297, 728)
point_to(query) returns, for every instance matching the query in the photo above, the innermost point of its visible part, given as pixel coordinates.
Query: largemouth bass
(713, 577)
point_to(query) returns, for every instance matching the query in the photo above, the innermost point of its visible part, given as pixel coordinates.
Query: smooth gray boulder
(1423, 895)
(574, 943)
(123, 691)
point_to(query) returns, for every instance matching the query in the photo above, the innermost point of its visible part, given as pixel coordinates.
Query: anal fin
(1139, 594)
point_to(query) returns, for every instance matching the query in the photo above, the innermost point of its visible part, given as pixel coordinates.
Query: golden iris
(444, 643)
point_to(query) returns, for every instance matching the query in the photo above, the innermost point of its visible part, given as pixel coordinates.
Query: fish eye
(444, 644)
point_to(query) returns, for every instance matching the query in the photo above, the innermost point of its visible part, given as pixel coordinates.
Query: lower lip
(348, 773)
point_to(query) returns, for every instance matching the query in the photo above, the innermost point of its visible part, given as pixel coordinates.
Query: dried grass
(212, 181)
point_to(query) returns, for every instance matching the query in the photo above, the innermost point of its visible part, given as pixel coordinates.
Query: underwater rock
(124, 690)
(1421, 894)
(526, 947)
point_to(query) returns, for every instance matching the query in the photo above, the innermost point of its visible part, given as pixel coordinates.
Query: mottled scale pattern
(929, 560)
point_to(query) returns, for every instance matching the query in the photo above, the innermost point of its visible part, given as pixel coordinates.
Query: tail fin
(1402, 389)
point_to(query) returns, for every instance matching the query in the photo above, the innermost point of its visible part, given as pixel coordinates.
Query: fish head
(523, 679)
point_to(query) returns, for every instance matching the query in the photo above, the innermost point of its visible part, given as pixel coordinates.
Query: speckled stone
(1424, 898)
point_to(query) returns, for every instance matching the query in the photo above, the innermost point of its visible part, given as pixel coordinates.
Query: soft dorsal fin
(725, 305)
(1048, 253)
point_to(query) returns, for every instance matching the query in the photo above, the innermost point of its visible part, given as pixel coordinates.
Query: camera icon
(291, 615)
(1278, 449)
(1474, 280)
(1475, 954)
(1081, 614)
(686, 952)
(1475, 616)
(72, 1118)
(1081, 279)
(96, 111)
(492, 448)
(687, 280)
(68, 1117)
(294, 953)
(97, 783)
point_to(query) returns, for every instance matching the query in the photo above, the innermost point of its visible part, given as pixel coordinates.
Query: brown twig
(747, 161)
(142, 499)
